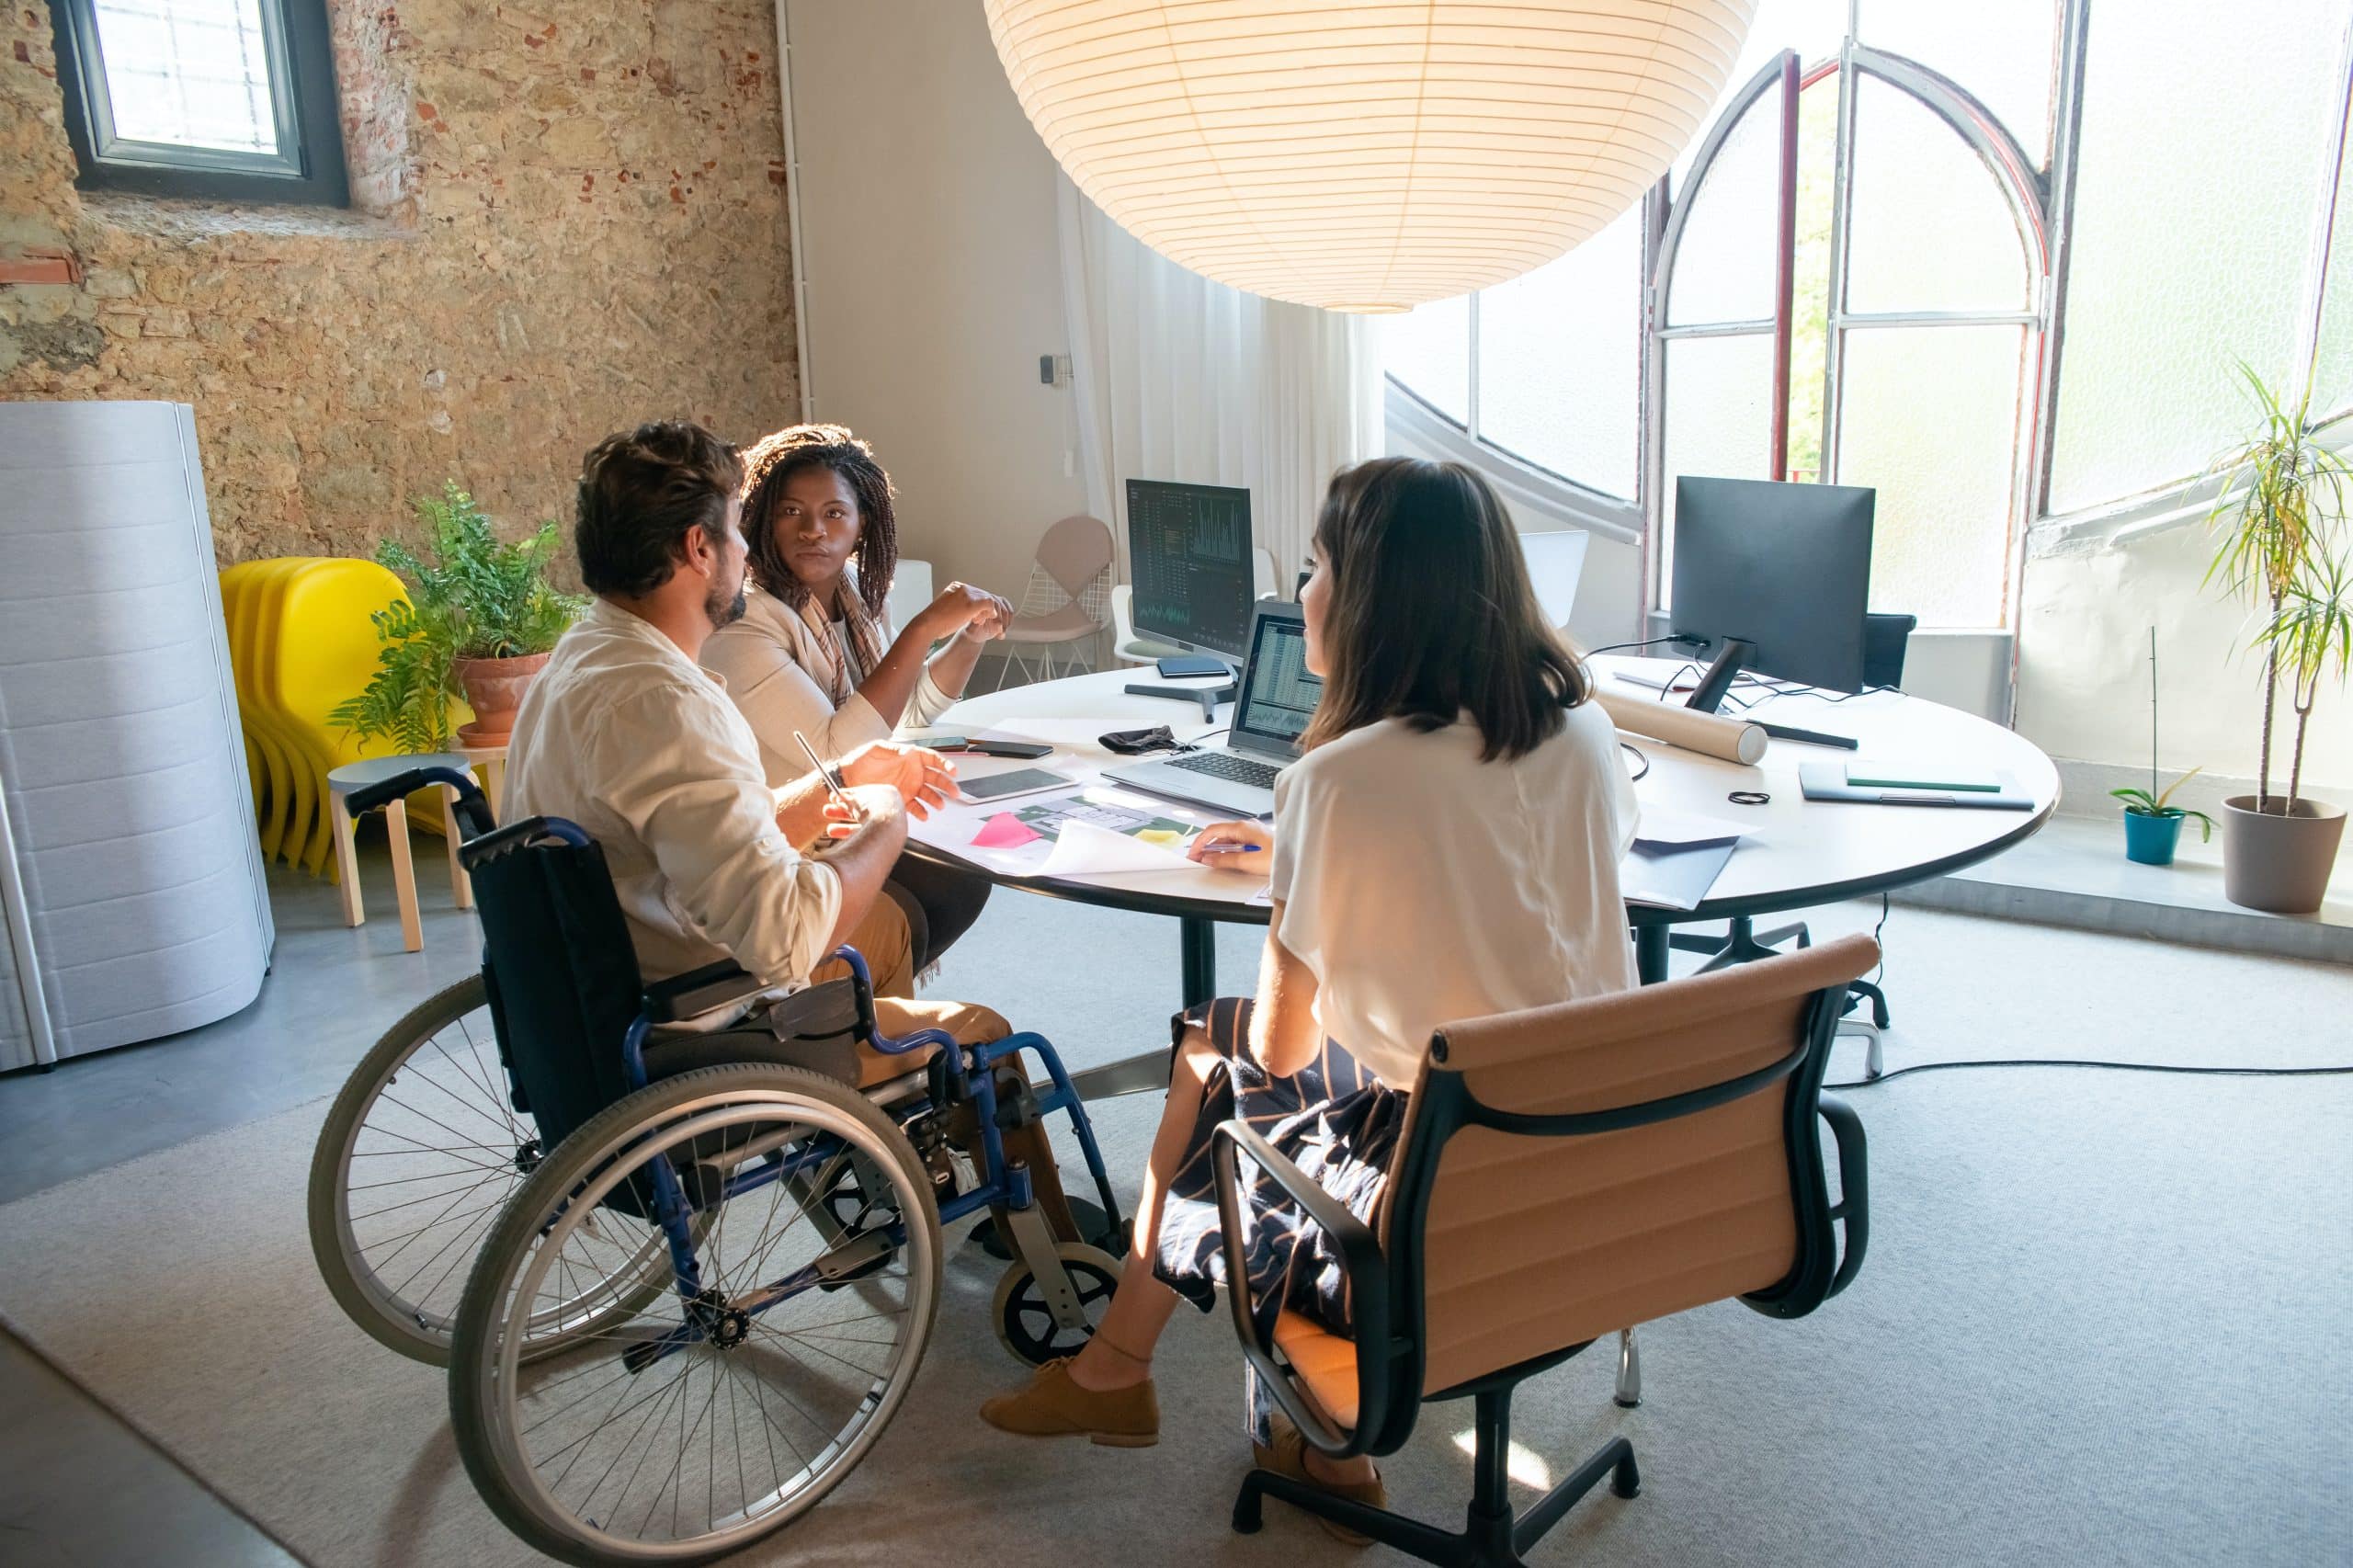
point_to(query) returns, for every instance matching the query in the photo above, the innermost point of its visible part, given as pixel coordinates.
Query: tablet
(1021, 782)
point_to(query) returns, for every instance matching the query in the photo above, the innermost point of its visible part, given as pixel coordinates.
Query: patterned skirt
(1332, 1119)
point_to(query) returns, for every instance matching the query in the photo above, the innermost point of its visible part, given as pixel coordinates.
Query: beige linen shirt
(624, 735)
(770, 661)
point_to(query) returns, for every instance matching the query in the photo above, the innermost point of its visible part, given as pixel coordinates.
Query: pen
(833, 782)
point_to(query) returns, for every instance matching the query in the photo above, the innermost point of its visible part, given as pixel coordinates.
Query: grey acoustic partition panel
(129, 863)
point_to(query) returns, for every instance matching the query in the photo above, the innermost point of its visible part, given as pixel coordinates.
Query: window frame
(307, 169)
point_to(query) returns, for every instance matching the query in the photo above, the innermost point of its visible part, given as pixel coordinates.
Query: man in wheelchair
(696, 1196)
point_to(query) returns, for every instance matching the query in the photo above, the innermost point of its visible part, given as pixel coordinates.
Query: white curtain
(1177, 378)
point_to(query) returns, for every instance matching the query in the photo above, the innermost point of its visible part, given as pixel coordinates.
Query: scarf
(867, 638)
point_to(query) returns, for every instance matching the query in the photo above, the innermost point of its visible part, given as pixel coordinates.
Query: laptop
(1271, 708)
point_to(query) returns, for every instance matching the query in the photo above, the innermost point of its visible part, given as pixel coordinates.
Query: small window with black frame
(225, 100)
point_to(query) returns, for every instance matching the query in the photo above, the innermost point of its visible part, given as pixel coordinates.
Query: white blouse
(1421, 885)
(766, 658)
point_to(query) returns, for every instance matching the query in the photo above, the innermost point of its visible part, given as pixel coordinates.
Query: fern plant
(496, 596)
(472, 597)
(407, 700)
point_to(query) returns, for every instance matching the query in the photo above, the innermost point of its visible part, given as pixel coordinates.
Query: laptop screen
(1278, 695)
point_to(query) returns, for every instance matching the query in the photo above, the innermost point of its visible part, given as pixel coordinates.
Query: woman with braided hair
(814, 651)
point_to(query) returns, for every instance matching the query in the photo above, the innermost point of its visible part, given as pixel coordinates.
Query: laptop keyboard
(1225, 765)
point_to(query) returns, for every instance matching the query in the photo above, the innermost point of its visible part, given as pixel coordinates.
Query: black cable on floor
(2112, 1066)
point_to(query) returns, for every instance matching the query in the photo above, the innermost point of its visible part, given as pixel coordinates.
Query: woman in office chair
(1446, 847)
(813, 650)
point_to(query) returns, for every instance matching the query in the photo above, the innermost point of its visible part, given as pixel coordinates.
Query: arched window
(1854, 289)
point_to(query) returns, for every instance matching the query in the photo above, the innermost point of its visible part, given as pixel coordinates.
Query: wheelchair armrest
(471, 809)
(1360, 1258)
(698, 991)
(1854, 1205)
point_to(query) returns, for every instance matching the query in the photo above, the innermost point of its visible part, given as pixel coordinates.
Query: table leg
(1650, 953)
(403, 876)
(1197, 957)
(462, 887)
(347, 861)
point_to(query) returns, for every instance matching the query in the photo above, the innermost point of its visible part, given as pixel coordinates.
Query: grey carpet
(2103, 1321)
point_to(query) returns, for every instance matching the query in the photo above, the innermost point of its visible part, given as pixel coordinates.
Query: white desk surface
(1800, 852)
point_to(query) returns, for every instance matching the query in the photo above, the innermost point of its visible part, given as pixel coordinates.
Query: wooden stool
(375, 771)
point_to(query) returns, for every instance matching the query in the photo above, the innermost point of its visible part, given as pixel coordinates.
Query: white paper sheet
(1674, 827)
(1081, 849)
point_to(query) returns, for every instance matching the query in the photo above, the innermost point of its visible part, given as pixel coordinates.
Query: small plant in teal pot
(2153, 827)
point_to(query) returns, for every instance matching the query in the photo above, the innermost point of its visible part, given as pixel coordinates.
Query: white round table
(1798, 853)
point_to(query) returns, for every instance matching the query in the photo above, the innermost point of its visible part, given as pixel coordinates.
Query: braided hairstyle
(769, 466)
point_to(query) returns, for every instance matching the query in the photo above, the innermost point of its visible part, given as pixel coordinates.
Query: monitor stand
(1209, 697)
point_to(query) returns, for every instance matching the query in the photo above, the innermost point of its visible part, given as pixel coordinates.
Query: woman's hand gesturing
(974, 613)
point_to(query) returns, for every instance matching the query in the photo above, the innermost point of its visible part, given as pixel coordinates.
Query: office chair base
(1492, 1536)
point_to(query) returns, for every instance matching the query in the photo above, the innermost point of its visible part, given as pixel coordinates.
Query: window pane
(2333, 373)
(1719, 420)
(1815, 29)
(192, 73)
(1429, 349)
(1932, 230)
(1931, 422)
(2004, 53)
(2192, 232)
(1559, 360)
(1723, 262)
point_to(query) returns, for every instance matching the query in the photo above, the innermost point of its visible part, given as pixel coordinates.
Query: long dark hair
(767, 468)
(1431, 615)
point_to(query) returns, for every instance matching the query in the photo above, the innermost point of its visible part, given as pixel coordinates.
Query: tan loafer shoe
(1288, 1456)
(1054, 1406)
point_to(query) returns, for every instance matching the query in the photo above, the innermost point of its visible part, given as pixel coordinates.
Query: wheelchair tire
(732, 1379)
(1025, 1326)
(449, 1155)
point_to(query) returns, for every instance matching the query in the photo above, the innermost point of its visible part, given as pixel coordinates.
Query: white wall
(928, 240)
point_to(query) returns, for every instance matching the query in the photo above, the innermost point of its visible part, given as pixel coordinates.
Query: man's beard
(724, 611)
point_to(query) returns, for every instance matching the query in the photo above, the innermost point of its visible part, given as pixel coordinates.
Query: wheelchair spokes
(700, 1417)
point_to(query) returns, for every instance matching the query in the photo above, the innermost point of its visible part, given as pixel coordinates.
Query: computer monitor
(1787, 567)
(1189, 549)
(1555, 563)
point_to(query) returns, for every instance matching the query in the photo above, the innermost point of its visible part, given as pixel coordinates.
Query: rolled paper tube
(1710, 734)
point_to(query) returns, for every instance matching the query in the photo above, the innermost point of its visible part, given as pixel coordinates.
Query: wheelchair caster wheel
(1025, 1324)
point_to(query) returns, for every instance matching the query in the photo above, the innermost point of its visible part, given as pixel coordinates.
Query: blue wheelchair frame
(972, 1066)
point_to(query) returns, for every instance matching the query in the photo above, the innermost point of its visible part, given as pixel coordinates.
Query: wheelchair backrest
(562, 977)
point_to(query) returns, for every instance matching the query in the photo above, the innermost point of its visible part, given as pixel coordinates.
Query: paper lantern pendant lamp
(1366, 157)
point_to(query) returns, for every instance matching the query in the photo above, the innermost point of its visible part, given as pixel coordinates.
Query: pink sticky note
(1005, 831)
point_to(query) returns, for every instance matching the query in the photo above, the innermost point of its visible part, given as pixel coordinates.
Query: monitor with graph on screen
(1189, 549)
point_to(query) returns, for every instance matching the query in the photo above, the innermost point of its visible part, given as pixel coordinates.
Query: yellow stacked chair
(300, 641)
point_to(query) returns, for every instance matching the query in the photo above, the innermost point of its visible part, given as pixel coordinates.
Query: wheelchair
(676, 1309)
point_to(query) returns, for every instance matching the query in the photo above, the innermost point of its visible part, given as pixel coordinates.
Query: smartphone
(1021, 782)
(1027, 750)
(940, 742)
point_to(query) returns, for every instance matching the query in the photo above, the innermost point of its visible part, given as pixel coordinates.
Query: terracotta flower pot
(2276, 862)
(495, 690)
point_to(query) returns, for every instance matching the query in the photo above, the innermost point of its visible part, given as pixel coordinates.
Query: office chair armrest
(1360, 1258)
(700, 990)
(1854, 1205)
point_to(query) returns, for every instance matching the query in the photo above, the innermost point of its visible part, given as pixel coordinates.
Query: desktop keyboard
(1225, 765)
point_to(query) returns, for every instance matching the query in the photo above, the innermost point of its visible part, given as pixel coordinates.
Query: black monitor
(1787, 567)
(1188, 548)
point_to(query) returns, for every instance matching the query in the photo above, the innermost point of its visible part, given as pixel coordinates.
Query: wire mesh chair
(1067, 603)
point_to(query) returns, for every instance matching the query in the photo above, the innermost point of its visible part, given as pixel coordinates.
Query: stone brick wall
(566, 219)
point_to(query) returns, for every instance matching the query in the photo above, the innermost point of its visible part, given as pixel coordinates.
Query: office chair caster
(1024, 1314)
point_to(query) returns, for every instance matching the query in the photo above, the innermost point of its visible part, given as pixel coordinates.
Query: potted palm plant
(481, 616)
(2280, 517)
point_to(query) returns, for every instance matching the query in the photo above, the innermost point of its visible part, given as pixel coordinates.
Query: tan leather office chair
(1565, 1172)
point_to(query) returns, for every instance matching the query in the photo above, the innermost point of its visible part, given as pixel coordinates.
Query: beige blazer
(777, 670)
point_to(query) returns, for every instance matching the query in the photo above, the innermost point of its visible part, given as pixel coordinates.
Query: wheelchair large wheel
(417, 1158)
(697, 1425)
